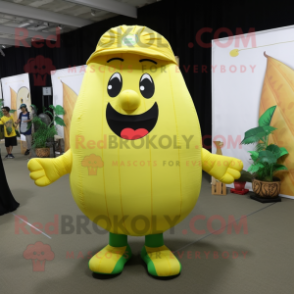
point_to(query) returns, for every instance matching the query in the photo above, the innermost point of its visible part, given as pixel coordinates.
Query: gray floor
(257, 260)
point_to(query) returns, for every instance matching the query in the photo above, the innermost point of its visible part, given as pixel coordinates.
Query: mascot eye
(114, 85)
(147, 87)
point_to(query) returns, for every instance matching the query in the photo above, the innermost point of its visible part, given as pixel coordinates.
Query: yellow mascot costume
(135, 157)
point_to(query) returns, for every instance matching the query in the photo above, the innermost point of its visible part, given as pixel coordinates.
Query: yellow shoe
(110, 260)
(161, 262)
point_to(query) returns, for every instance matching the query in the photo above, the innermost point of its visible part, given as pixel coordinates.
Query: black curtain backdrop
(178, 21)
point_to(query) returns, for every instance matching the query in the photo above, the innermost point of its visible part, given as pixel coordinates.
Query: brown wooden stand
(219, 188)
(23, 146)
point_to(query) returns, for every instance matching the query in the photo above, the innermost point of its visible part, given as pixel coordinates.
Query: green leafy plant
(44, 133)
(57, 110)
(265, 157)
(34, 108)
(54, 113)
(245, 176)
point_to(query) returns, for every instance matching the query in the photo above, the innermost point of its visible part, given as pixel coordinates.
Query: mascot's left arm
(46, 171)
(223, 168)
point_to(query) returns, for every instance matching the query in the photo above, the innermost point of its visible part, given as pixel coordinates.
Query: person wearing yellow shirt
(9, 131)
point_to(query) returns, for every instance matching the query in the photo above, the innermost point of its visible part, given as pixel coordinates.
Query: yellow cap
(134, 39)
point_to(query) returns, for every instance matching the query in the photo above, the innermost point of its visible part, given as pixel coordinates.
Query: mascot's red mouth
(131, 134)
(132, 127)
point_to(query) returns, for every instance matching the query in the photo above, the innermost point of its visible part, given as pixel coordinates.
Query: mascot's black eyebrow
(148, 60)
(115, 59)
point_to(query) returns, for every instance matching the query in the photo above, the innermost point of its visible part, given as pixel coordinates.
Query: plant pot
(266, 189)
(239, 186)
(42, 152)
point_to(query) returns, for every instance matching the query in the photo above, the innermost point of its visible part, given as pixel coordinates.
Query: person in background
(2, 127)
(7, 201)
(23, 119)
(9, 131)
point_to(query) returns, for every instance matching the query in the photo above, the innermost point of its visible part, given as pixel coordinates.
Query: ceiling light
(38, 28)
(46, 24)
(25, 24)
(2, 53)
(93, 12)
(3, 46)
(60, 27)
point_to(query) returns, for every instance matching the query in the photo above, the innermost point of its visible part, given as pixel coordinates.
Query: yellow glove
(46, 171)
(223, 168)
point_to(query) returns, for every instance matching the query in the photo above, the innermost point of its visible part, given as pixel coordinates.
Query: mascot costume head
(135, 157)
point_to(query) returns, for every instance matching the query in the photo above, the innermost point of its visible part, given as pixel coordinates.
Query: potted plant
(239, 184)
(266, 158)
(43, 137)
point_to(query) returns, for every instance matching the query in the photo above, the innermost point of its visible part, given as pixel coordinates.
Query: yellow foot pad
(160, 261)
(110, 260)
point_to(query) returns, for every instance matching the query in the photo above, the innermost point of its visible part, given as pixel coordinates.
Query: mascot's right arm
(46, 171)
(224, 168)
